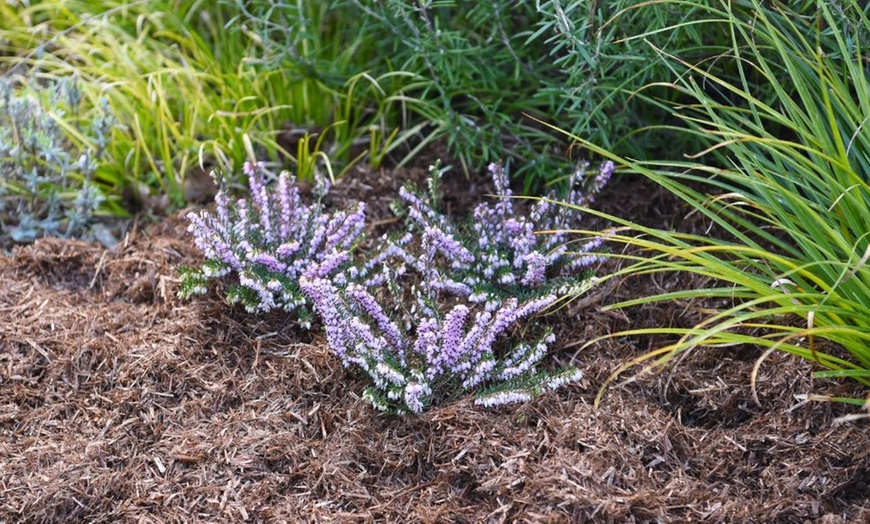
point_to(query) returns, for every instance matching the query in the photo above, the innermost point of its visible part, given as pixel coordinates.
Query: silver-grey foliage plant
(47, 186)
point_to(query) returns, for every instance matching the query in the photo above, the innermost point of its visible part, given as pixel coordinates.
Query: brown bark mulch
(119, 402)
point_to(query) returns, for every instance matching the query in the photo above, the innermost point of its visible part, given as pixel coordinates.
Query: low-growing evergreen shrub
(433, 313)
(419, 347)
(497, 252)
(267, 240)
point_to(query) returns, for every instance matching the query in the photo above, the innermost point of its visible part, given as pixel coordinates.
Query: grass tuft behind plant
(794, 199)
(482, 66)
(189, 91)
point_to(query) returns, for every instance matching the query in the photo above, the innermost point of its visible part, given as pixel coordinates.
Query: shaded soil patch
(118, 402)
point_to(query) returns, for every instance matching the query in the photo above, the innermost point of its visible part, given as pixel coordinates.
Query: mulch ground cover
(119, 402)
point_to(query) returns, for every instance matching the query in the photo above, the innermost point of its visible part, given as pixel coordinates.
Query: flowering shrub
(499, 253)
(267, 240)
(427, 316)
(417, 350)
(46, 187)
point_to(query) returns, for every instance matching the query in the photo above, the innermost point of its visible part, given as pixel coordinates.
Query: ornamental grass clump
(789, 266)
(499, 253)
(267, 240)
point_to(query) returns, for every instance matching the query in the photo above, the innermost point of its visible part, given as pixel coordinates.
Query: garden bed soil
(119, 402)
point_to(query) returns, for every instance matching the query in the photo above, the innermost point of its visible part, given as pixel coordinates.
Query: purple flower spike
(268, 238)
(501, 252)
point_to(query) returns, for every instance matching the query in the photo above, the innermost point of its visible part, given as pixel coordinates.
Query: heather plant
(433, 313)
(498, 253)
(419, 348)
(48, 162)
(267, 240)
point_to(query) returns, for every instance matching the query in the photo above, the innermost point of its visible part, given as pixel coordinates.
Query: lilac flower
(566, 377)
(479, 373)
(392, 375)
(269, 262)
(450, 286)
(524, 357)
(287, 250)
(251, 168)
(326, 301)
(437, 241)
(260, 197)
(504, 206)
(536, 267)
(329, 265)
(343, 229)
(374, 310)
(451, 338)
(602, 178)
(265, 299)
